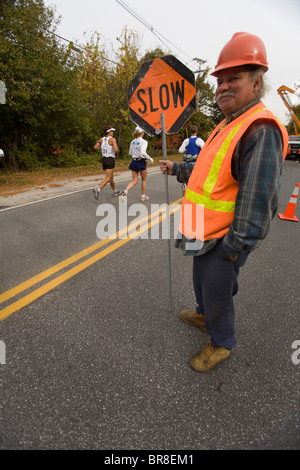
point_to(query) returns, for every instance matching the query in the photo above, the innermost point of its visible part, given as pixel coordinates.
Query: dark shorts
(138, 165)
(108, 163)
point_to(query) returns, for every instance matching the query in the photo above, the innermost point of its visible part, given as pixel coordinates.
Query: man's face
(235, 90)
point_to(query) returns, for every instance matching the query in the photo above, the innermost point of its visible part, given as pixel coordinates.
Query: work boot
(209, 358)
(193, 318)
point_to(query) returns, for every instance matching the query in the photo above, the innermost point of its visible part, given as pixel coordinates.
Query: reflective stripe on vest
(205, 198)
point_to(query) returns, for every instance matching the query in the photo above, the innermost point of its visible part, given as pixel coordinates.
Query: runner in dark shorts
(108, 146)
(108, 163)
(138, 165)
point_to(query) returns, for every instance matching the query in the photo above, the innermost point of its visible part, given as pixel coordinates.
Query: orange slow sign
(166, 86)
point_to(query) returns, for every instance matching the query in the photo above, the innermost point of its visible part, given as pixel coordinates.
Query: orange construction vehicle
(294, 140)
(283, 93)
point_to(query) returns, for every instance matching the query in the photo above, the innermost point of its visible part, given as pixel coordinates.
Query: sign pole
(164, 148)
(162, 84)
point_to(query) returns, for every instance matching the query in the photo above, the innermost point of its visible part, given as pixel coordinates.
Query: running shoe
(96, 193)
(123, 195)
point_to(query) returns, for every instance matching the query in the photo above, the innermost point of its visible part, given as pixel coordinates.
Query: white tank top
(107, 150)
(138, 148)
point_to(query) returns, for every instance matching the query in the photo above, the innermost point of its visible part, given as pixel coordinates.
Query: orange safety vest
(209, 201)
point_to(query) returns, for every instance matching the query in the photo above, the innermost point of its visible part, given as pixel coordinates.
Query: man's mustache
(225, 93)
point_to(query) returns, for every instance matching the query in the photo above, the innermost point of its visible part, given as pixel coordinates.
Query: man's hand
(166, 166)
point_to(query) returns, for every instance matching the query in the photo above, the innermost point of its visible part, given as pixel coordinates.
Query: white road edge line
(64, 194)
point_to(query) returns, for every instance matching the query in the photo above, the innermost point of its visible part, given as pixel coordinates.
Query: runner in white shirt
(138, 152)
(109, 148)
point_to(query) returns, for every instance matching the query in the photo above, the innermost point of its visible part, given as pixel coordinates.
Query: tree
(128, 65)
(95, 80)
(151, 55)
(57, 97)
(44, 104)
(207, 113)
(104, 83)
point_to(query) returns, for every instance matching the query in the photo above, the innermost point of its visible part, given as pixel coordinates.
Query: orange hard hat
(242, 49)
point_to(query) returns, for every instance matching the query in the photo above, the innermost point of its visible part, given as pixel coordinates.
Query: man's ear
(257, 83)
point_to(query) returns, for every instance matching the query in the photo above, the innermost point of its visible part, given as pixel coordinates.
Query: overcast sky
(196, 28)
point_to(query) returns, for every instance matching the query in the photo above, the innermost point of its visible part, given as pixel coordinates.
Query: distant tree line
(60, 95)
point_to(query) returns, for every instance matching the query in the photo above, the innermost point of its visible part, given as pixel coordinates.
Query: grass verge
(22, 180)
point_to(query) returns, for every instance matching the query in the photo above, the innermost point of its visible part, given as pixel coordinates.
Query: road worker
(232, 193)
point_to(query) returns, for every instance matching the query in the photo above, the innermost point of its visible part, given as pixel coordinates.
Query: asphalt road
(95, 358)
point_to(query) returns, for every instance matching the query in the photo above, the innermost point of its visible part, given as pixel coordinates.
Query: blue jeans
(215, 278)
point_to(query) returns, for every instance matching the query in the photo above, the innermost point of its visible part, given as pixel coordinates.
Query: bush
(69, 157)
(28, 157)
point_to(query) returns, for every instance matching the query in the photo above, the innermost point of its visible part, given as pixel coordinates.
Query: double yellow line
(153, 219)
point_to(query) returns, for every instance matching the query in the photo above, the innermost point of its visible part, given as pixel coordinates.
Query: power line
(78, 48)
(148, 26)
(139, 18)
